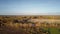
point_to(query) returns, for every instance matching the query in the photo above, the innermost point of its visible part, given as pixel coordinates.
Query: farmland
(30, 24)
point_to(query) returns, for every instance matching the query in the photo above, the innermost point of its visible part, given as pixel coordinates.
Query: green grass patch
(53, 30)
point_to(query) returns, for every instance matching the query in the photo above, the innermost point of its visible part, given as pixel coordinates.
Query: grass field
(29, 24)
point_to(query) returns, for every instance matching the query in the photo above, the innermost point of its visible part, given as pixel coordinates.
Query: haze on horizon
(29, 7)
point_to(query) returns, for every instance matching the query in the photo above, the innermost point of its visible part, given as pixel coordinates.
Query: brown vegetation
(28, 24)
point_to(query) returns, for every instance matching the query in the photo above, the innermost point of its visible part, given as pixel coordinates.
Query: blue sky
(29, 7)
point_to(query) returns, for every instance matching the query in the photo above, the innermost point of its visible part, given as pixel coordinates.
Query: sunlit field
(30, 24)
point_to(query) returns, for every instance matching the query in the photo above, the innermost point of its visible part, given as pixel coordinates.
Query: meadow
(30, 24)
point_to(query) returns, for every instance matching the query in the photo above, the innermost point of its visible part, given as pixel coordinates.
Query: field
(30, 24)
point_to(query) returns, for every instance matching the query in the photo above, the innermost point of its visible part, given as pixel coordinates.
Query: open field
(30, 24)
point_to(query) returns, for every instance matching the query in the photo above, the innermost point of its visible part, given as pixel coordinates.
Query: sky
(29, 7)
